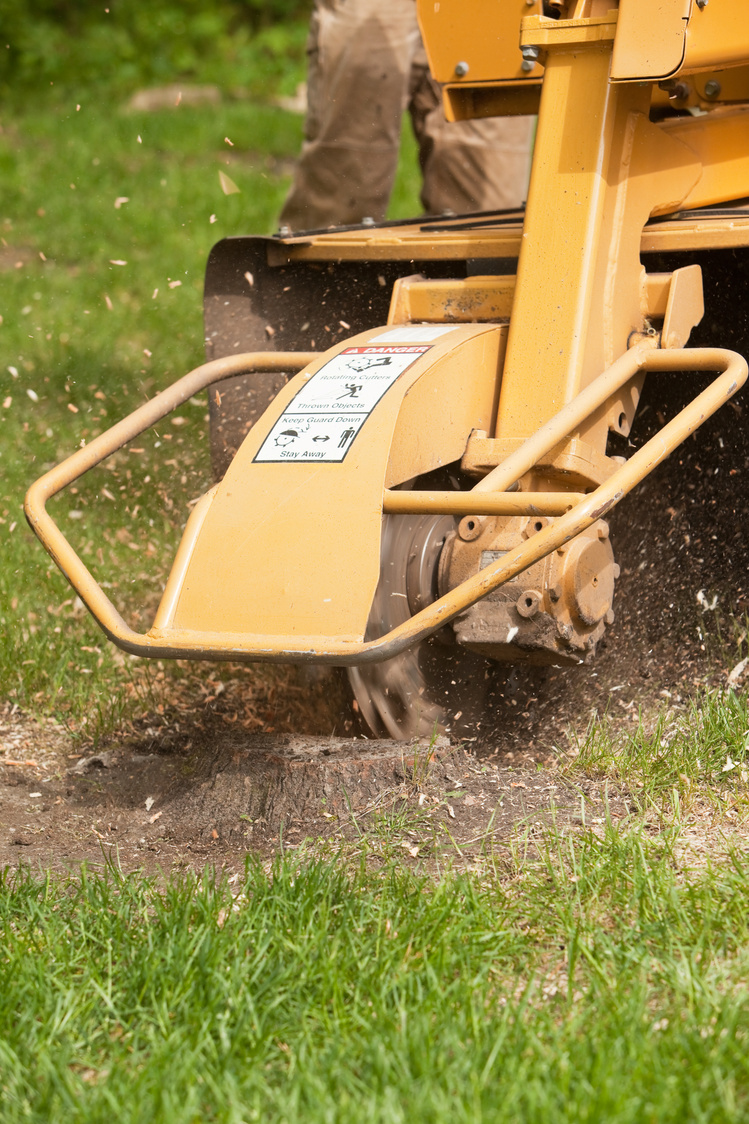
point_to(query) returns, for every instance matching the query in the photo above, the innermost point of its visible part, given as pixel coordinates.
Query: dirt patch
(235, 792)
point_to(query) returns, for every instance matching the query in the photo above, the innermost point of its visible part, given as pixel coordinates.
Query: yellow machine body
(515, 376)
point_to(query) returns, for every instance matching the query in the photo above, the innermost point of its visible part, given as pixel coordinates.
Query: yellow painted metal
(717, 36)
(584, 31)
(653, 40)
(458, 239)
(107, 443)
(599, 169)
(685, 306)
(439, 411)
(675, 298)
(659, 38)
(572, 464)
(299, 550)
(719, 143)
(474, 299)
(702, 232)
(703, 90)
(474, 503)
(570, 417)
(656, 295)
(453, 240)
(650, 38)
(194, 526)
(483, 35)
(732, 85)
(491, 99)
(327, 648)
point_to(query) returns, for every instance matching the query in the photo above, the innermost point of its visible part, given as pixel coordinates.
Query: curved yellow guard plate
(290, 541)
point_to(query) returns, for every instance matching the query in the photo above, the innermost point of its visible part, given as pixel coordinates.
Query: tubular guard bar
(490, 496)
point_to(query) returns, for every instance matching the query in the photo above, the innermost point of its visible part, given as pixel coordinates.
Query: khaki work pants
(367, 65)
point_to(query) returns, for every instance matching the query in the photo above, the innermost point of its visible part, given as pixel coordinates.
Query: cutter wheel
(437, 686)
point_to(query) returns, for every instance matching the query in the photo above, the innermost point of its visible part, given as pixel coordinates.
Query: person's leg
(360, 54)
(479, 165)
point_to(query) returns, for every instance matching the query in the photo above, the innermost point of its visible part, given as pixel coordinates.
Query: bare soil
(146, 806)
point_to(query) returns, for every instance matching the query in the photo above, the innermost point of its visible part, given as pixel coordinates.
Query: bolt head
(461, 69)
(712, 88)
(530, 58)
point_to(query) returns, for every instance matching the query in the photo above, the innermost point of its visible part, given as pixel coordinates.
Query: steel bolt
(461, 69)
(712, 88)
(367, 221)
(530, 57)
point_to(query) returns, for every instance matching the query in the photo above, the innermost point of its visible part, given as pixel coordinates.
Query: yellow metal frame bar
(457, 240)
(324, 649)
(471, 503)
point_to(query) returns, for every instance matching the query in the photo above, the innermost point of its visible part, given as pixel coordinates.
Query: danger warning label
(322, 420)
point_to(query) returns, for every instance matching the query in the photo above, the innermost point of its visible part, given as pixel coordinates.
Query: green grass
(601, 982)
(694, 753)
(83, 341)
(245, 46)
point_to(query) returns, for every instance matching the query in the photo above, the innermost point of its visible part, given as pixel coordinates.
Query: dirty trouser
(367, 64)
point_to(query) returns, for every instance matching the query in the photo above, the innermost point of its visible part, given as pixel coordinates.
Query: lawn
(599, 978)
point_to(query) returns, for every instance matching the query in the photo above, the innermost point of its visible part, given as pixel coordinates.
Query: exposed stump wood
(266, 781)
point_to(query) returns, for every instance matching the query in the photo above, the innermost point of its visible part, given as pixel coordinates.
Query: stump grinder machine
(412, 424)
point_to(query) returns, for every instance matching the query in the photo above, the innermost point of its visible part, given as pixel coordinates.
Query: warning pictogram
(322, 420)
